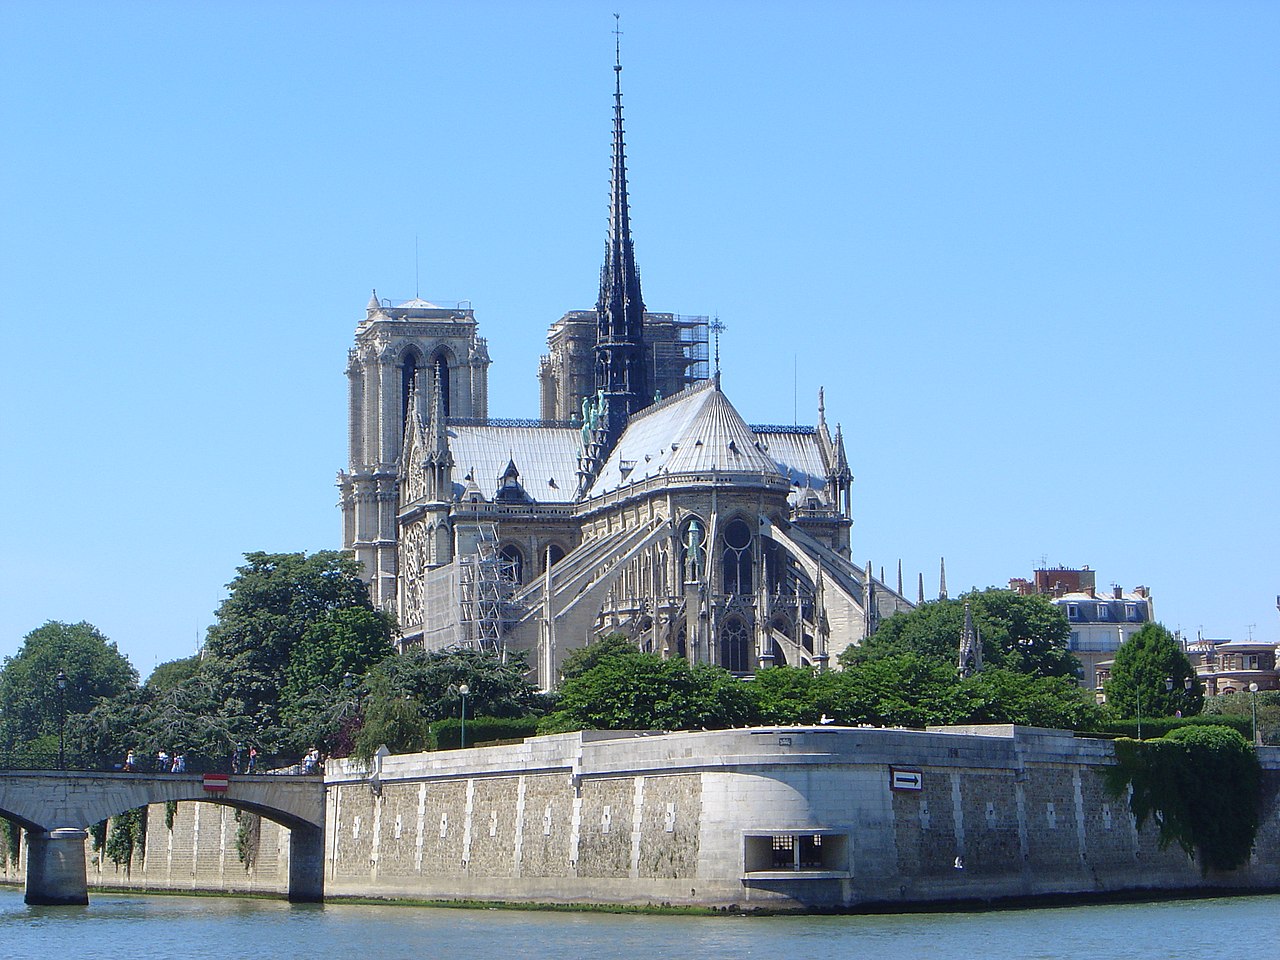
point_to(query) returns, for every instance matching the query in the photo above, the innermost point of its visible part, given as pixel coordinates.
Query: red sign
(215, 782)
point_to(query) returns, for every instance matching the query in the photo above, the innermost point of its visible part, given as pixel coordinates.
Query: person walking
(253, 760)
(128, 762)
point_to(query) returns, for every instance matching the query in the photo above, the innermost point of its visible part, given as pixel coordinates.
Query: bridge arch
(55, 808)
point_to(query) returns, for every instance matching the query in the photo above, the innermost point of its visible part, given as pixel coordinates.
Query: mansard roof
(546, 458)
(694, 431)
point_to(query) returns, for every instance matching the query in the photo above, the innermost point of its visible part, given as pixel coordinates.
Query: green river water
(142, 927)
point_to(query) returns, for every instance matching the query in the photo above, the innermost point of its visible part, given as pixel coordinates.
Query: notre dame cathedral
(639, 502)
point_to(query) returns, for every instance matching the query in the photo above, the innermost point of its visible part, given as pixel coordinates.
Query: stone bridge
(55, 807)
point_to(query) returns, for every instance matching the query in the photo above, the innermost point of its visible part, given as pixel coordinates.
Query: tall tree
(274, 601)
(1149, 677)
(1023, 633)
(32, 703)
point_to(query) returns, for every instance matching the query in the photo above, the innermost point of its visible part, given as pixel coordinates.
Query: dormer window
(1073, 611)
(1102, 611)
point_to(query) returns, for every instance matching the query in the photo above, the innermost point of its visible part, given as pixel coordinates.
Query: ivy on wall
(248, 833)
(12, 841)
(127, 837)
(98, 835)
(170, 811)
(1201, 785)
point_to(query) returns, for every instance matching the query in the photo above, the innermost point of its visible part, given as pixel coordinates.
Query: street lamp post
(463, 690)
(1253, 702)
(62, 719)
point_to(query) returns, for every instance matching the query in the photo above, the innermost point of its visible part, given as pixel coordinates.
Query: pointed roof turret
(373, 306)
(942, 579)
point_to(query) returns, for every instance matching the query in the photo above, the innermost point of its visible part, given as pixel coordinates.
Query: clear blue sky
(1030, 249)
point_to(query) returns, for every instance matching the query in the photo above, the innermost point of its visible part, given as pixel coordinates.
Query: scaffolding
(486, 582)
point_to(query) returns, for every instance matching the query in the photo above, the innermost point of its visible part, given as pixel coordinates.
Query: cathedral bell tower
(415, 351)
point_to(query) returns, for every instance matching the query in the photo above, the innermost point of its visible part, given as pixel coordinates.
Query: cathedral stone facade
(640, 502)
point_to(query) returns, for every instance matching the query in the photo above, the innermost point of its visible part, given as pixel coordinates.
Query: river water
(145, 927)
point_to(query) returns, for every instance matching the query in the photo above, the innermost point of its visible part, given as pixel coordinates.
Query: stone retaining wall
(776, 817)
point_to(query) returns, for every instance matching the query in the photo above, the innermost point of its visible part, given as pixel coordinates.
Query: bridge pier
(306, 864)
(55, 868)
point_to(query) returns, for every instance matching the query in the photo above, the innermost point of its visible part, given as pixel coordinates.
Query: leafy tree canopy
(403, 695)
(169, 674)
(93, 666)
(641, 691)
(583, 659)
(1023, 633)
(275, 603)
(1150, 673)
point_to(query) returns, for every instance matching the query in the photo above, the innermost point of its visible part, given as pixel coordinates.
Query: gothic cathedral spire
(620, 367)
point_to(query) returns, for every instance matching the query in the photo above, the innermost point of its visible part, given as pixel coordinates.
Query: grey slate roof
(696, 430)
(797, 455)
(541, 454)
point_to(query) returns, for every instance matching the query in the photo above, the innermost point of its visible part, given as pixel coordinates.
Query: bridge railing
(276, 765)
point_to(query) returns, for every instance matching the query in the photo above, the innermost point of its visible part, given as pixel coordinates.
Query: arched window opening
(441, 371)
(512, 554)
(737, 559)
(735, 645)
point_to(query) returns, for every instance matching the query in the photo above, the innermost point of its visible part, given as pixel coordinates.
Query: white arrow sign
(905, 779)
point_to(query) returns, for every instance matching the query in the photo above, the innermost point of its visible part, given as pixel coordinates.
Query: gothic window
(735, 645)
(512, 553)
(737, 560)
(441, 371)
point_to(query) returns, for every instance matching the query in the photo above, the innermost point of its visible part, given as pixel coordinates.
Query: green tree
(583, 659)
(169, 674)
(641, 691)
(1023, 633)
(910, 690)
(94, 669)
(189, 717)
(346, 642)
(785, 695)
(1150, 674)
(1008, 696)
(404, 695)
(274, 602)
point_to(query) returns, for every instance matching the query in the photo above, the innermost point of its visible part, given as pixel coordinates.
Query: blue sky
(1029, 249)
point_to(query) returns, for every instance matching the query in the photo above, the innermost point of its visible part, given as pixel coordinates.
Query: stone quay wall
(805, 818)
(778, 818)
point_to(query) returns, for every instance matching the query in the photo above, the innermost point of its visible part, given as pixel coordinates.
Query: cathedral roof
(795, 450)
(546, 459)
(695, 431)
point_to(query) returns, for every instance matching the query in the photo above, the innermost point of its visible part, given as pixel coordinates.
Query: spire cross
(716, 326)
